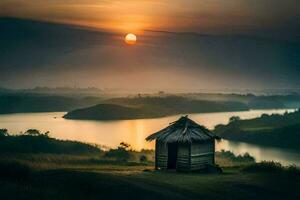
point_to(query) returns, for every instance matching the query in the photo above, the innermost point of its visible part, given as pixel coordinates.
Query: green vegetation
(228, 159)
(70, 177)
(142, 106)
(105, 175)
(271, 167)
(151, 107)
(253, 101)
(3, 133)
(32, 141)
(273, 130)
(122, 153)
(10, 170)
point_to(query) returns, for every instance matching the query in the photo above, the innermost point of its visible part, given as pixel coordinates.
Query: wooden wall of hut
(183, 157)
(190, 157)
(161, 155)
(202, 154)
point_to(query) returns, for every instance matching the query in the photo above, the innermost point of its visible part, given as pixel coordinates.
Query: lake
(134, 132)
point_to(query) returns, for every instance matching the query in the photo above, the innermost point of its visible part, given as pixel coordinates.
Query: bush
(239, 158)
(35, 132)
(227, 158)
(14, 171)
(272, 167)
(234, 119)
(264, 166)
(3, 133)
(143, 158)
(121, 153)
(293, 169)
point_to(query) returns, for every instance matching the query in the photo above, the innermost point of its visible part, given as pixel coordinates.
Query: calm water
(134, 132)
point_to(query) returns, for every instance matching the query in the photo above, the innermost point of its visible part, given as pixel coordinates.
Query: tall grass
(12, 170)
(229, 159)
(271, 167)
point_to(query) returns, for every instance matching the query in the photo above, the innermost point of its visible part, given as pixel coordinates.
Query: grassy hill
(38, 167)
(273, 130)
(43, 144)
(151, 107)
(40, 179)
(24, 103)
(251, 100)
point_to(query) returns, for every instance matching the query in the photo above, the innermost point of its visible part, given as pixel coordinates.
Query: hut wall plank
(183, 157)
(161, 155)
(202, 154)
(203, 147)
(190, 157)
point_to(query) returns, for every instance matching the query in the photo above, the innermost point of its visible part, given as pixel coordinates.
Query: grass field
(43, 168)
(89, 177)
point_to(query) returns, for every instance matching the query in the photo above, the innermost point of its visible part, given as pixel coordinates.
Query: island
(152, 107)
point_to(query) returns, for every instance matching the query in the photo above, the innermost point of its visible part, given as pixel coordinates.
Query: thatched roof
(183, 130)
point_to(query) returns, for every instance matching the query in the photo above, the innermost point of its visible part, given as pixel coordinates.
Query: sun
(130, 38)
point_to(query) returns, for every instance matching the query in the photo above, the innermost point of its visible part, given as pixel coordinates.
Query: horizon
(153, 91)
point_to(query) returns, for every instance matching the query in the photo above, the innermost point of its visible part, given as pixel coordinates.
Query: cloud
(56, 55)
(261, 17)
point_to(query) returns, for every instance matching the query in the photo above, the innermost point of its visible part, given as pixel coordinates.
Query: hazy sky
(45, 54)
(205, 16)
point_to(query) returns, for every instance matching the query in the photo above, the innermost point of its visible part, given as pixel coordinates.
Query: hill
(151, 107)
(273, 130)
(26, 102)
(66, 99)
(41, 143)
(289, 100)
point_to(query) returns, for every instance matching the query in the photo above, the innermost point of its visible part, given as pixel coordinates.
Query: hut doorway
(172, 155)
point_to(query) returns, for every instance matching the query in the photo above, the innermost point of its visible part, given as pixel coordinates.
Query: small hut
(184, 145)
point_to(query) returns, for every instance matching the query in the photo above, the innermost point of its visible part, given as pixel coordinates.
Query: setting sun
(130, 38)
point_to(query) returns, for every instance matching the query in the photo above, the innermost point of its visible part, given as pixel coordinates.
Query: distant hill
(253, 101)
(108, 112)
(65, 99)
(24, 103)
(151, 107)
(273, 130)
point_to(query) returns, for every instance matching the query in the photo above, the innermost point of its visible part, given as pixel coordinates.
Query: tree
(234, 118)
(124, 145)
(264, 116)
(33, 132)
(143, 158)
(46, 134)
(122, 153)
(4, 133)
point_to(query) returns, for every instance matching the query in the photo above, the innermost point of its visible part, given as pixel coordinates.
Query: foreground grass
(81, 171)
(49, 176)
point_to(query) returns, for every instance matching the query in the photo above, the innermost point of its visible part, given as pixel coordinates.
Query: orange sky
(209, 16)
(159, 59)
